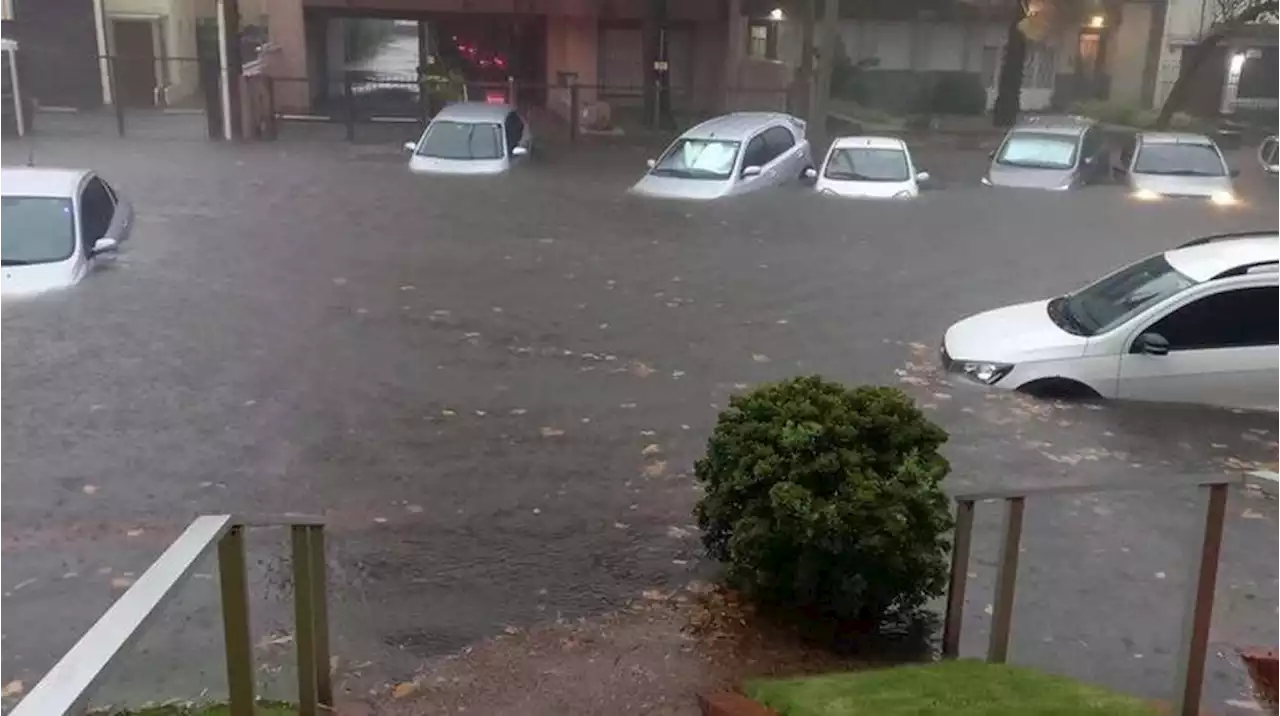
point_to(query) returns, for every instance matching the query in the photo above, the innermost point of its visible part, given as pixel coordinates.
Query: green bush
(958, 93)
(827, 499)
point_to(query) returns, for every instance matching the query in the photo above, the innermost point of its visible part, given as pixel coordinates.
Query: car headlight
(904, 194)
(983, 372)
(1146, 195)
(1222, 198)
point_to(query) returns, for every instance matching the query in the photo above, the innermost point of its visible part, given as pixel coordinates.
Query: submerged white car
(471, 138)
(731, 155)
(1157, 165)
(1197, 324)
(868, 168)
(56, 224)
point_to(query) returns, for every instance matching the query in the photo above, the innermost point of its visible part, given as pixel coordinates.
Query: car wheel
(1063, 388)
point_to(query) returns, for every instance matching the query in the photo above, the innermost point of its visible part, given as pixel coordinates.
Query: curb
(727, 703)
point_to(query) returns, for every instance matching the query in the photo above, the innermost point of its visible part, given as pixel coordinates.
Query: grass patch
(950, 688)
(265, 708)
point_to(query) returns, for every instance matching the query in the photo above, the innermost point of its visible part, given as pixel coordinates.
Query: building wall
(58, 40)
(1127, 55)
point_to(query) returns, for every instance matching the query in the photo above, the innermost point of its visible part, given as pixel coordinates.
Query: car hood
(1179, 185)
(677, 188)
(863, 189)
(1013, 334)
(1028, 178)
(37, 278)
(433, 165)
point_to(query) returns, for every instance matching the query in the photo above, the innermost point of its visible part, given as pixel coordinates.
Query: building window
(762, 40)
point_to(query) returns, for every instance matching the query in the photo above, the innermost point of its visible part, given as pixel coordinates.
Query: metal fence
(156, 97)
(364, 107)
(67, 687)
(1203, 553)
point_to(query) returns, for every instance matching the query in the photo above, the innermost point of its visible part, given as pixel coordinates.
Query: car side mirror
(105, 245)
(1152, 344)
(991, 154)
(809, 175)
(1234, 172)
(651, 163)
(922, 177)
(519, 151)
(1090, 159)
(410, 147)
(751, 171)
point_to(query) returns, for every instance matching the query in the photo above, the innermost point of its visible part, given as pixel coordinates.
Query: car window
(698, 159)
(96, 210)
(1231, 319)
(1038, 150)
(515, 130)
(1179, 160)
(36, 229)
(1126, 152)
(1120, 296)
(779, 140)
(1092, 142)
(462, 140)
(867, 164)
(757, 152)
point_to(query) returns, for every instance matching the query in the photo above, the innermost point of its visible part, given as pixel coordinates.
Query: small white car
(868, 168)
(731, 155)
(471, 138)
(56, 224)
(1197, 324)
(1157, 165)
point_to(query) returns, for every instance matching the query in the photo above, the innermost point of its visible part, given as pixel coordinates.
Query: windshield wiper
(1177, 172)
(1060, 312)
(16, 262)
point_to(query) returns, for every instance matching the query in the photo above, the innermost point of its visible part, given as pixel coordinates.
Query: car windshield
(36, 230)
(1118, 297)
(698, 159)
(1192, 160)
(865, 164)
(1038, 151)
(462, 140)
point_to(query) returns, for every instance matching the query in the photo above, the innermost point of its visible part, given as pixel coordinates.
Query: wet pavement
(465, 377)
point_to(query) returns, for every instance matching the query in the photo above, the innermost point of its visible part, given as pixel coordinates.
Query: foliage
(958, 93)
(948, 688)
(827, 499)
(1130, 116)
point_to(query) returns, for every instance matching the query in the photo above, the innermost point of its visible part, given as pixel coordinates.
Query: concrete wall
(176, 21)
(1127, 54)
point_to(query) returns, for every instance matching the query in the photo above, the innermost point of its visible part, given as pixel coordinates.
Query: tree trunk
(1009, 86)
(817, 129)
(1194, 59)
(804, 75)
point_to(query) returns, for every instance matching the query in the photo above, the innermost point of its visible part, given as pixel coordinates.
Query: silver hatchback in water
(1156, 165)
(1047, 152)
(471, 138)
(730, 155)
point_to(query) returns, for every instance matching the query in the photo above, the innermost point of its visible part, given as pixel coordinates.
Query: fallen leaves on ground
(89, 489)
(550, 432)
(404, 690)
(11, 689)
(652, 449)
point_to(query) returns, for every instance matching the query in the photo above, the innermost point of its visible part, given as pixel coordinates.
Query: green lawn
(264, 709)
(950, 688)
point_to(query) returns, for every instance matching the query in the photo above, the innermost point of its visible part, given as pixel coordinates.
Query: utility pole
(822, 88)
(804, 75)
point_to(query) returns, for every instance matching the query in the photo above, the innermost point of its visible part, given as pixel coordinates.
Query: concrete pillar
(735, 52)
(288, 34)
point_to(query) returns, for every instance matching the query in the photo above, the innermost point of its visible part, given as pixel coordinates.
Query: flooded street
(464, 377)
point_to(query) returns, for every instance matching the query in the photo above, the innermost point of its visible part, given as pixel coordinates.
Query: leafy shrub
(827, 499)
(958, 93)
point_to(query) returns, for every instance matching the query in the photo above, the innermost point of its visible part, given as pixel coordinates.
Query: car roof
(868, 142)
(1203, 261)
(1053, 124)
(739, 125)
(1174, 138)
(31, 181)
(474, 112)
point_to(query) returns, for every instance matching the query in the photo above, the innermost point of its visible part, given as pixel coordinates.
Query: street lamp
(1097, 22)
(777, 15)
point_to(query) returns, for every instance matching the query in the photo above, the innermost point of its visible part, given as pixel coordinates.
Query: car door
(785, 165)
(1093, 156)
(1222, 350)
(516, 135)
(1120, 170)
(756, 154)
(97, 212)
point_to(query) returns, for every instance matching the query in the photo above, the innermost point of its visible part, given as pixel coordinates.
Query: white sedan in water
(56, 224)
(471, 138)
(868, 168)
(1197, 324)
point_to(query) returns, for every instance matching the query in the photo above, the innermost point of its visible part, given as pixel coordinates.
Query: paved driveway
(465, 378)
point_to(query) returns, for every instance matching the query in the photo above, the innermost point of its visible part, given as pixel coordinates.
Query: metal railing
(1205, 554)
(66, 688)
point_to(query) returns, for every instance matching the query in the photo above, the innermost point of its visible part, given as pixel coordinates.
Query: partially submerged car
(1155, 165)
(1196, 324)
(56, 224)
(868, 168)
(1267, 156)
(1056, 153)
(730, 155)
(471, 138)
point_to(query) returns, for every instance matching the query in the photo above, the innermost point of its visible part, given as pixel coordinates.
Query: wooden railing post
(304, 619)
(234, 583)
(1199, 609)
(959, 578)
(1006, 581)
